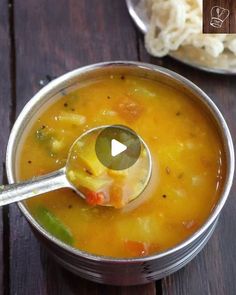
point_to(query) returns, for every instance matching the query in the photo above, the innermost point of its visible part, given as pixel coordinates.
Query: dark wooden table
(41, 39)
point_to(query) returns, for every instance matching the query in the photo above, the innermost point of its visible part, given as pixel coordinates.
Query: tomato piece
(93, 198)
(129, 109)
(100, 198)
(136, 248)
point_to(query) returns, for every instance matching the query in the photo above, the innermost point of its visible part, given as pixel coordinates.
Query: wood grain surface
(229, 23)
(208, 14)
(43, 39)
(5, 125)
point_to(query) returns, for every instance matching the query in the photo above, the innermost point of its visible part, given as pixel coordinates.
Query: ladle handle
(42, 184)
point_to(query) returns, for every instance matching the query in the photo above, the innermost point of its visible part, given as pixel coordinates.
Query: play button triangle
(117, 147)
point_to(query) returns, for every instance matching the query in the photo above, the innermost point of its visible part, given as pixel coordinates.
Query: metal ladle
(58, 179)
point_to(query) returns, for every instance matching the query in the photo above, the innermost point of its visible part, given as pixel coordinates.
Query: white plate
(195, 57)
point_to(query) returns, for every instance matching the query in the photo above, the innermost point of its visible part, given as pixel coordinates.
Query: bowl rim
(227, 140)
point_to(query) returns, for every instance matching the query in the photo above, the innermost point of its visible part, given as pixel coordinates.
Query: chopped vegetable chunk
(94, 198)
(85, 156)
(80, 178)
(71, 118)
(53, 225)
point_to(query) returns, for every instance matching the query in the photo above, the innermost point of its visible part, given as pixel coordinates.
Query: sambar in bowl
(193, 165)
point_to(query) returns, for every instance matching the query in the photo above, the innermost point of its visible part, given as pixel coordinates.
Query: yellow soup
(188, 166)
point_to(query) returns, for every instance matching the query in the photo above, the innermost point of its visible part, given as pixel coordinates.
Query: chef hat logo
(218, 16)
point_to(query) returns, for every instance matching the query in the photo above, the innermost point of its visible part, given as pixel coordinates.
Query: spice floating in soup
(188, 166)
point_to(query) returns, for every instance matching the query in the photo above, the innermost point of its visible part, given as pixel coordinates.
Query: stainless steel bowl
(105, 269)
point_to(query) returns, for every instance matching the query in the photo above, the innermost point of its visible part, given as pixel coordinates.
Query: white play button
(117, 147)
